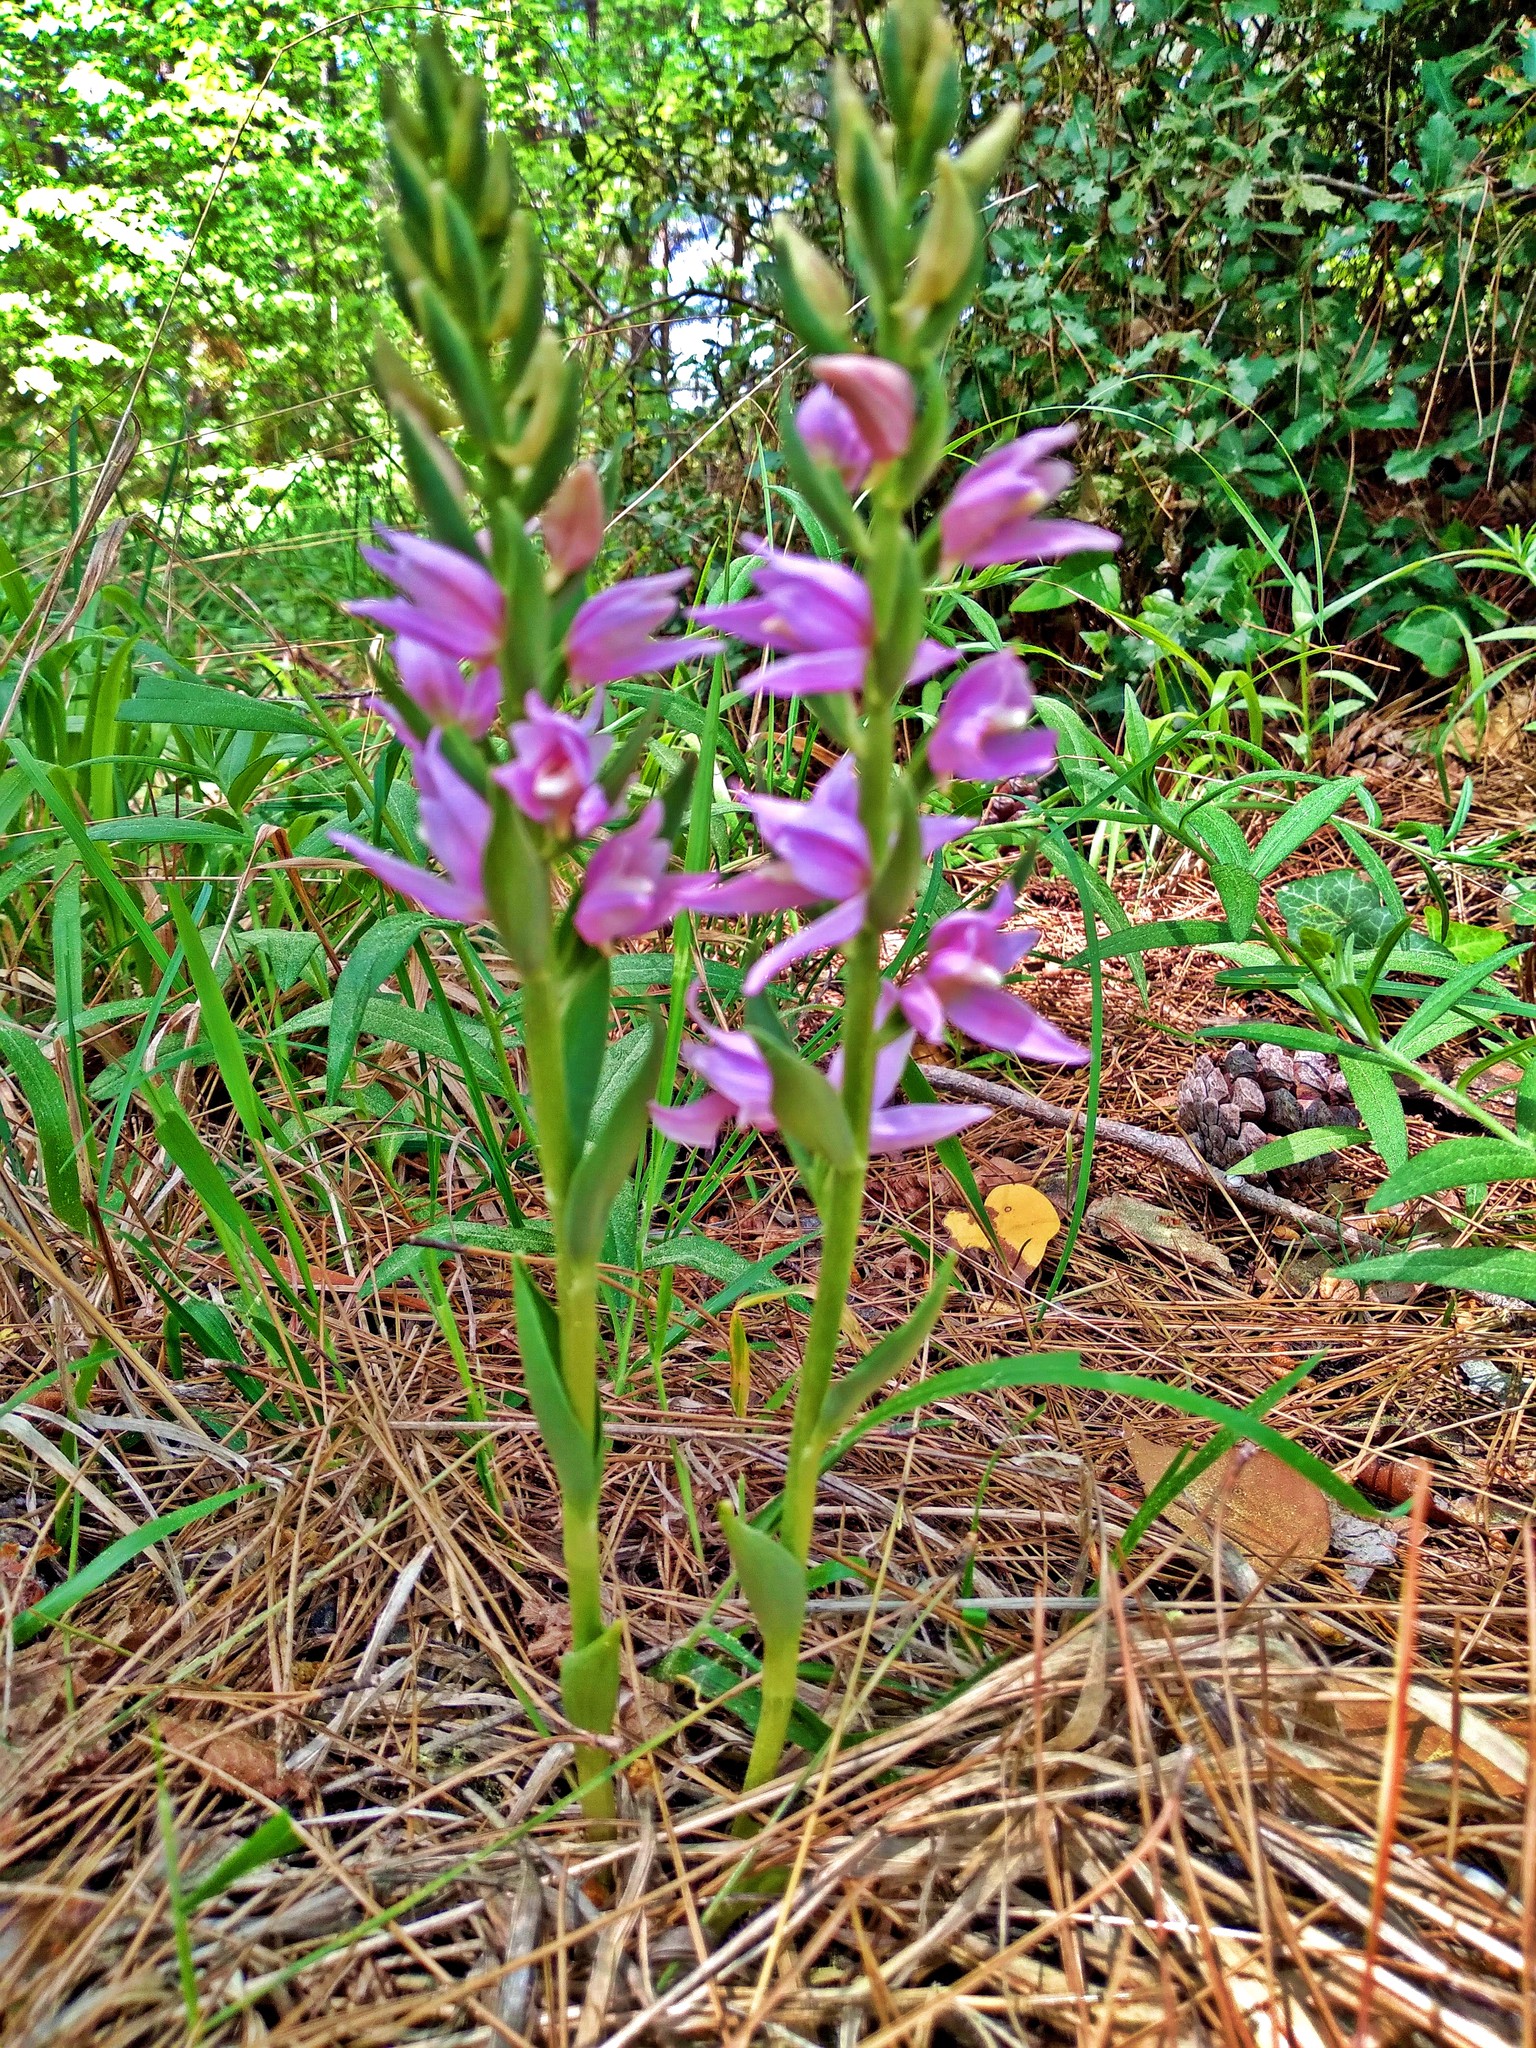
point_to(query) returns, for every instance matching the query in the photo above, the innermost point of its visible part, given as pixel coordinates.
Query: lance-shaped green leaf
(1381, 1108)
(772, 1578)
(1239, 893)
(516, 887)
(45, 1098)
(219, 1025)
(607, 1162)
(1457, 1163)
(589, 1681)
(572, 1450)
(807, 1108)
(277, 1836)
(884, 1360)
(1297, 824)
(375, 957)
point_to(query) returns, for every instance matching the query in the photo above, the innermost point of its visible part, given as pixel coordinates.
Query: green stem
(842, 1209)
(576, 1308)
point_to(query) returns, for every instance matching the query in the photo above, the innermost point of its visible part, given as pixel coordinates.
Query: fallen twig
(1173, 1152)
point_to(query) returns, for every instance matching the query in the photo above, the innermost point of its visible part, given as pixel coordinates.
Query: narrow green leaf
(1498, 1269)
(589, 1681)
(1061, 1369)
(45, 1098)
(1296, 1146)
(1296, 825)
(1239, 893)
(217, 1021)
(33, 1620)
(375, 957)
(574, 1454)
(165, 700)
(610, 1155)
(1457, 1163)
(277, 1836)
(1375, 1096)
(588, 1003)
(885, 1359)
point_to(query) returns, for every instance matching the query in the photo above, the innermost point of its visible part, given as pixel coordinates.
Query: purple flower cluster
(739, 1085)
(449, 617)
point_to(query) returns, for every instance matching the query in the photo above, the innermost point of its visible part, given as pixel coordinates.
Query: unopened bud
(948, 247)
(816, 301)
(541, 390)
(980, 163)
(398, 384)
(572, 522)
(905, 39)
(520, 302)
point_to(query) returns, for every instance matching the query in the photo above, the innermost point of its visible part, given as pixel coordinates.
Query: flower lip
(991, 514)
(612, 636)
(553, 777)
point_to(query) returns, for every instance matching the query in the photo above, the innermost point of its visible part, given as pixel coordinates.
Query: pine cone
(1231, 1105)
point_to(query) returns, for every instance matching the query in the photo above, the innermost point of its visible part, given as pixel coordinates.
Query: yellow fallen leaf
(1024, 1219)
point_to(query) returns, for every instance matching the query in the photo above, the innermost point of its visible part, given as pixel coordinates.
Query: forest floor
(1164, 1800)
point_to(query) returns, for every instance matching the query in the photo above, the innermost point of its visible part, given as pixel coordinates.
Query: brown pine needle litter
(1169, 1798)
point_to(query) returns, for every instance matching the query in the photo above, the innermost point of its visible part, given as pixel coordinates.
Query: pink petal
(913, 1125)
(997, 1017)
(692, 1123)
(835, 929)
(433, 893)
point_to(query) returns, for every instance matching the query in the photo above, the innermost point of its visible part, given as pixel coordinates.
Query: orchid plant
(492, 633)
(862, 449)
(498, 662)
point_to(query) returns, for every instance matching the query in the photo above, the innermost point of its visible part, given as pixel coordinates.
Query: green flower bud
(496, 192)
(468, 150)
(951, 235)
(538, 398)
(815, 300)
(905, 42)
(398, 384)
(520, 304)
(981, 161)
(868, 188)
(456, 255)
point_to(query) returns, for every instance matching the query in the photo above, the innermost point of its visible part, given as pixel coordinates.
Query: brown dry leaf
(1274, 1516)
(1124, 1220)
(1438, 1729)
(238, 1762)
(1025, 1221)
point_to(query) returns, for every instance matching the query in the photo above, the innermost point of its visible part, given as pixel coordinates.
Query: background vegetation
(1284, 247)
